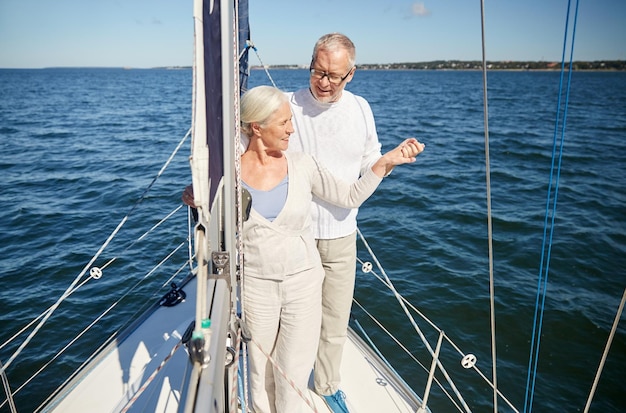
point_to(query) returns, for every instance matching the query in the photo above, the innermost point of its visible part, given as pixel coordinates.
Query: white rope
(618, 315)
(68, 345)
(245, 376)
(86, 280)
(7, 390)
(239, 204)
(233, 389)
(155, 226)
(70, 289)
(492, 310)
(238, 280)
(407, 351)
(150, 378)
(284, 374)
(97, 319)
(413, 323)
(144, 235)
(251, 45)
(61, 299)
(387, 283)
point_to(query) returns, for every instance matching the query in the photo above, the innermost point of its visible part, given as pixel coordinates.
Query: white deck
(114, 378)
(147, 370)
(367, 388)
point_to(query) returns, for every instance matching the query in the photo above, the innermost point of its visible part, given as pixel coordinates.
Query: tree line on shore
(606, 65)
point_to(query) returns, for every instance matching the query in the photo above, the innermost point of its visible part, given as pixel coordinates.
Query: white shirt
(341, 136)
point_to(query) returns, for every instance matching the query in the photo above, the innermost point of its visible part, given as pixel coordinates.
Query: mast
(215, 175)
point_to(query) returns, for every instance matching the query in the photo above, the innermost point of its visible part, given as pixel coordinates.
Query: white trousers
(284, 318)
(339, 262)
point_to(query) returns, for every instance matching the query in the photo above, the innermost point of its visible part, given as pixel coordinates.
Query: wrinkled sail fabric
(208, 134)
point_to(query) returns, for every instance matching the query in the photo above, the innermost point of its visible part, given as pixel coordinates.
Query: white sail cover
(216, 85)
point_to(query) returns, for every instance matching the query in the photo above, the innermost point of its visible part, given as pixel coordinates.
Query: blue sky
(149, 33)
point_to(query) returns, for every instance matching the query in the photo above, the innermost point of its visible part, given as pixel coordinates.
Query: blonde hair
(335, 41)
(258, 105)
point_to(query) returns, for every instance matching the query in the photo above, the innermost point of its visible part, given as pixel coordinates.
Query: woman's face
(275, 132)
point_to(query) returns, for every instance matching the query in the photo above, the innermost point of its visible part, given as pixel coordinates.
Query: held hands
(403, 153)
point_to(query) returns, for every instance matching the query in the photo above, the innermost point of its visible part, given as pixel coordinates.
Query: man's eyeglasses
(332, 78)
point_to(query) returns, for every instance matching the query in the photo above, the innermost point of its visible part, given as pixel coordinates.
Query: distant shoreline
(599, 65)
(469, 65)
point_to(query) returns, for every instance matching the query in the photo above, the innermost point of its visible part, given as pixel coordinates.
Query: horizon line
(306, 65)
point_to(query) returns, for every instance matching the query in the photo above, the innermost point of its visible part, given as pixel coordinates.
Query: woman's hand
(410, 148)
(188, 196)
(401, 154)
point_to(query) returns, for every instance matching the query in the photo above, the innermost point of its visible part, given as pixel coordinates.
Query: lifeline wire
(7, 389)
(411, 319)
(69, 290)
(427, 320)
(542, 281)
(618, 315)
(97, 320)
(251, 45)
(492, 309)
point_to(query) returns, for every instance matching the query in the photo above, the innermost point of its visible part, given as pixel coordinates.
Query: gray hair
(335, 41)
(258, 105)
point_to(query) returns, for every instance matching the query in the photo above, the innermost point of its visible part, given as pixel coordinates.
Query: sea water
(79, 147)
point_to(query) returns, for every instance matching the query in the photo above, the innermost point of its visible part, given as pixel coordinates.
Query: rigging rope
(492, 312)
(72, 286)
(239, 258)
(542, 282)
(411, 319)
(249, 44)
(7, 390)
(98, 319)
(145, 385)
(144, 235)
(402, 346)
(618, 315)
(86, 280)
(283, 373)
(427, 320)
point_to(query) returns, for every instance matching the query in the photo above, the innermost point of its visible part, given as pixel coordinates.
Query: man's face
(330, 73)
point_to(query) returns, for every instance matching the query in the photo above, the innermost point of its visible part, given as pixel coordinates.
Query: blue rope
(542, 283)
(242, 397)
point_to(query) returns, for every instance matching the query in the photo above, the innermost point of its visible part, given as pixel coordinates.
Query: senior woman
(283, 272)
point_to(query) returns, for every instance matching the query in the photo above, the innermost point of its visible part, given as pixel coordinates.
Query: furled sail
(219, 74)
(214, 91)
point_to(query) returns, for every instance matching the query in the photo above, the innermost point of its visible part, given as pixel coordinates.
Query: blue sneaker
(336, 402)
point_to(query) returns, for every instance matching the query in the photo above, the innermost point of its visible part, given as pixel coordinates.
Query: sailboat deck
(122, 376)
(370, 386)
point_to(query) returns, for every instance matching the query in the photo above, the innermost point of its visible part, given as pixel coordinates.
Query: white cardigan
(286, 246)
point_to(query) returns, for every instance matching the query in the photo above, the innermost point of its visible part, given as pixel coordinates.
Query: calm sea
(79, 146)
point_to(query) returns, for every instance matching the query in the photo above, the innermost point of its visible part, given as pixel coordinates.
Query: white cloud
(419, 9)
